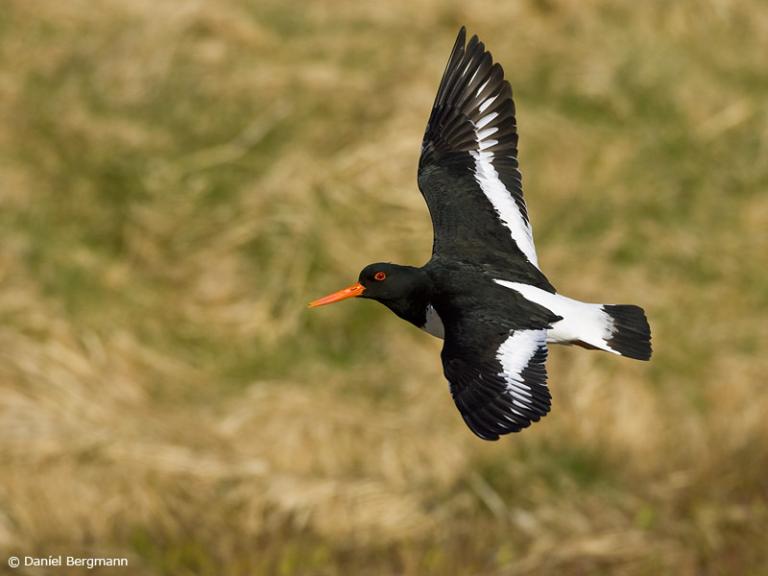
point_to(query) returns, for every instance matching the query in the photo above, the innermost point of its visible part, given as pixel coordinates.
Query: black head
(390, 284)
(386, 282)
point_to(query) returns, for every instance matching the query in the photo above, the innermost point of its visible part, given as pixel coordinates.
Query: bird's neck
(413, 306)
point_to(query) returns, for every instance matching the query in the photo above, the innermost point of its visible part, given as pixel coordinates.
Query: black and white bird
(482, 291)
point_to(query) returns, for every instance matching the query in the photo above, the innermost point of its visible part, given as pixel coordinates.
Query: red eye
(379, 276)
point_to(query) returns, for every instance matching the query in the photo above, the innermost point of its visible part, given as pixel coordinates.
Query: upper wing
(498, 381)
(468, 170)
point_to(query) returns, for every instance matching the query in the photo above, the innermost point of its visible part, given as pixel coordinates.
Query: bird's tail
(631, 332)
(617, 328)
(624, 330)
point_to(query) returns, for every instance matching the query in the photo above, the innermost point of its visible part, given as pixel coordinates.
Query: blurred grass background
(177, 180)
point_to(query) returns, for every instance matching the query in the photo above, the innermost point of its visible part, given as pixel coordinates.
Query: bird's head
(382, 281)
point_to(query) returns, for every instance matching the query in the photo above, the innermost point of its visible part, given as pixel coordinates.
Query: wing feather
(468, 171)
(499, 385)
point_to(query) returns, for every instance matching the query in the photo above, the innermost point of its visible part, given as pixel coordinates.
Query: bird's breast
(433, 324)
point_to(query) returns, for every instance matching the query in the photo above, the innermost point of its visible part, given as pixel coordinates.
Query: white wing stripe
(519, 390)
(483, 134)
(502, 200)
(484, 120)
(494, 189)
(515, 354)
(487, 102)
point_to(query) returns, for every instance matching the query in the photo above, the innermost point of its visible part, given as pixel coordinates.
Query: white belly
(434, 325)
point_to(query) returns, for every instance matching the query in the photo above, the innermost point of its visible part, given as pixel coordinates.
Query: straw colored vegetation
(177, 180)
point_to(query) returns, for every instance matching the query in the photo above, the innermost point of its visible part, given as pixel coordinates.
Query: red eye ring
(379, 276)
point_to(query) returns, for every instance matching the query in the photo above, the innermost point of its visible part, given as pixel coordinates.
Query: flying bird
(482, 291)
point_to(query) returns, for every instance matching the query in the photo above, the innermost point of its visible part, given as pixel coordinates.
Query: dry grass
(178, 179)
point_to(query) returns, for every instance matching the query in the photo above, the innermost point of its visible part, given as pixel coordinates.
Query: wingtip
(461, 37)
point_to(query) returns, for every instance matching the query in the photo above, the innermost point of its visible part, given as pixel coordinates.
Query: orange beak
(350, 292)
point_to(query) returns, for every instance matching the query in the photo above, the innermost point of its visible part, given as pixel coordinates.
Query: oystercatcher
(482, 291)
